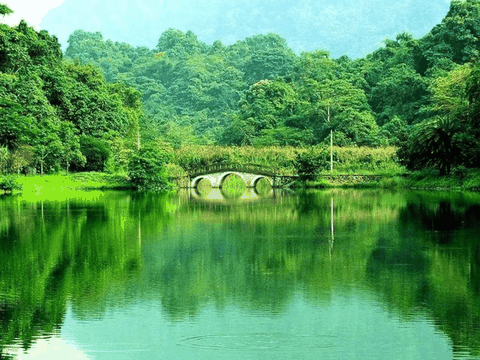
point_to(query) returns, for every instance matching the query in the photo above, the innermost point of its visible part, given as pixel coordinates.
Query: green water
(325, 274)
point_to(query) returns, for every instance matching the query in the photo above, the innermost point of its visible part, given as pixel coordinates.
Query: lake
(334, 274)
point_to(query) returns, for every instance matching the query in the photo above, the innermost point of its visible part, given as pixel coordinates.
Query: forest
(101, 103)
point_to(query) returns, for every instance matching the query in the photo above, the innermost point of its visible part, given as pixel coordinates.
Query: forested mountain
(420, 94)
(259, 91)
(343, 27)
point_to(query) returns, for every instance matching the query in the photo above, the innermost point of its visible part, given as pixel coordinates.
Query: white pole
(330, 245)
(331, 150)
(331, 139)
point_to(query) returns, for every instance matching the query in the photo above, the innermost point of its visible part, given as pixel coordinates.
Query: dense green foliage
(89, 111)
(254, 92)
(9, 184)
(147, 171)
(257, 91)
(5, 10)
(311, 163)
(56, 113)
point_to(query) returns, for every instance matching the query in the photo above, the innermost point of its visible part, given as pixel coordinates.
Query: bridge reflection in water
(220, 195)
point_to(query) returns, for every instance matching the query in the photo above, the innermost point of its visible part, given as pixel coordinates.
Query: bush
(9, 183)
(147, 170)
(310, 163)
(460, 172)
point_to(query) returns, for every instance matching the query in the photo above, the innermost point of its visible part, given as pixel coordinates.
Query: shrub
(460, 172)
(9, 183)
(147, 171)
(310, 163)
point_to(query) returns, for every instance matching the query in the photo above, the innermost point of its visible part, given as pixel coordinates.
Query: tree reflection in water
(417, 252)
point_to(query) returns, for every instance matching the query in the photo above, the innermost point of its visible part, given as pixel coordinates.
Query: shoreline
(56, 184)
(414, 181)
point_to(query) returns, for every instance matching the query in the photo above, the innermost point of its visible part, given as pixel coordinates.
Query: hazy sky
(32, 11)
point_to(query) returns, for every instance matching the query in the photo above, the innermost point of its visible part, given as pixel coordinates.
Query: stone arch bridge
(217, 173)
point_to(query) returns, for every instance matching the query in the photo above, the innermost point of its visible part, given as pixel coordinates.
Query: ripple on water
(259, 341)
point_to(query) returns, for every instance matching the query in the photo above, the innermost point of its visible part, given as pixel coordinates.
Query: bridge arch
(198, 179)
(227, 174)
(250, 174)
(257, 178)
(217, 179)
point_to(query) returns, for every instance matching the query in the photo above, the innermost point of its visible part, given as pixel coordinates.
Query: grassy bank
(459, 179)
(354, 167)
(426, 180)
(58, 185)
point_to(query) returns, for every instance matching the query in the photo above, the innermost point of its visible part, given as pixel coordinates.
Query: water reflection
(223, 195)
(417, 254)
(74, 252)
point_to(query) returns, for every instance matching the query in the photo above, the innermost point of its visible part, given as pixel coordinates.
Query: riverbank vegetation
(152, 113)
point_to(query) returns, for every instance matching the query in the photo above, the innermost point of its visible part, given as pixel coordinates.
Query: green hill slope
(343, 27)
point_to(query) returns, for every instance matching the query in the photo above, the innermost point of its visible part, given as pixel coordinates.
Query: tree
(449, 93)
(83, 97)
(96, 153)
(14, 126)
(47, 148)
(70, 151)
(432, 144)
(267, 104)
(401, 92)
(316, 66)
(396, 131)
(284, 136)
(146, 168)
(269, 57)
(42, 96)
(451, 136)
(238, 132)
(338, 106)
(456, 37)
(21, 157)
(310, 163)
(4, 159)
(90, 48)
(180, 45)
(471, 91)
(403, 50)
(5, 10)
(23, 49)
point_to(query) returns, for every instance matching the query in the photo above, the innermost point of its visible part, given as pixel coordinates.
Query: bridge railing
(193, 171)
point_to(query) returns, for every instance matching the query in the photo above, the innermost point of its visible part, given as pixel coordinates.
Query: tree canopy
(48, 102)
(418, 94)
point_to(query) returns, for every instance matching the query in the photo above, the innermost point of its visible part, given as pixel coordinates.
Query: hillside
(349, 27)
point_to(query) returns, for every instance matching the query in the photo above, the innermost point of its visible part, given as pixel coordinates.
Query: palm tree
(431, 145)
